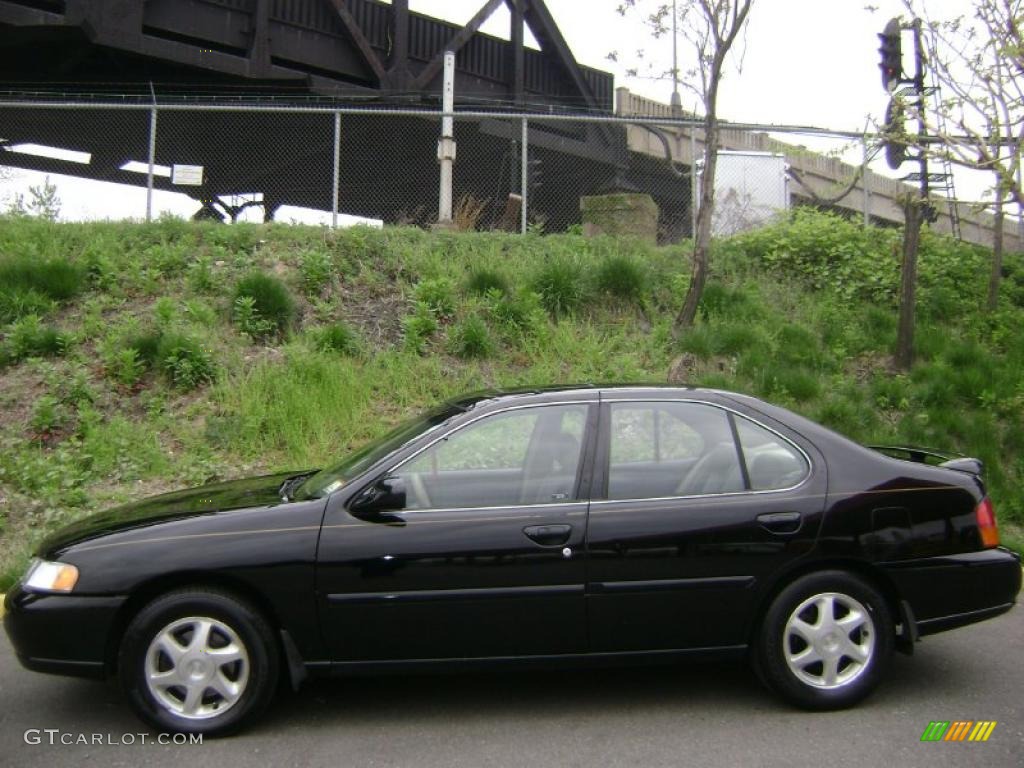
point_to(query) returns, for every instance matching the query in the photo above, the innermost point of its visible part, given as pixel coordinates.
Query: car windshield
(327, 481)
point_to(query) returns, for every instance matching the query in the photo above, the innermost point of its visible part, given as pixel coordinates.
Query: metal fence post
(524, 170)
(152, 162)
(865, 186)
(337, 169)
(1020, 208)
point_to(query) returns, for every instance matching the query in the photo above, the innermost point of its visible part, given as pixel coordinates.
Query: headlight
(50, 577)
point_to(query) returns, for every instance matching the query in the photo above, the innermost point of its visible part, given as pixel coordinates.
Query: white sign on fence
(187, 175)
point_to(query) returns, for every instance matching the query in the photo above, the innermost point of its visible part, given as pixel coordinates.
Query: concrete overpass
(825, 176)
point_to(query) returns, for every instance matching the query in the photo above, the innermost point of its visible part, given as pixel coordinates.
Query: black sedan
(577, 525)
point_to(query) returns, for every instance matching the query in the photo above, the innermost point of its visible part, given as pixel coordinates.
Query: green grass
(623, 277)
(471, 338)
(55, 278)
(481, 280)
(337, 337)
(124, 371)
(562, 285)
(30, 285)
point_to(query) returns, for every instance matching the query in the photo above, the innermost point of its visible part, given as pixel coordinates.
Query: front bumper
(955, 590)
(61, 634)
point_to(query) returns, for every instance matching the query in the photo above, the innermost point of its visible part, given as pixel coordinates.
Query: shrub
(126, 366)
(698, 342)
(561, 285)
(798, 345)
(165, 310)
(28, 337)
(317, 270)
(470, 338)
(724, 302)
(482, 280)
(880, 327)
(795, 341)
(890, 392)
(418, 327)
(796, 382)
(147, 347)
(184, 361)
(200, 275)
(270, 303)
(623, 278)
(337, 337)
(48, 415)
(249, 321)
(735, 338)
(516, 312)
(438, 296)
(200, 312)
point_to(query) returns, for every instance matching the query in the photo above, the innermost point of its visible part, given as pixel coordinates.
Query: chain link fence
(637, 172)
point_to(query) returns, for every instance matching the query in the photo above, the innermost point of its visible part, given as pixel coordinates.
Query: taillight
(985, 514)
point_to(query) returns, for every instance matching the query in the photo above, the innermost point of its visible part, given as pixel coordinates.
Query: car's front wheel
(825, 641)
(198, 661)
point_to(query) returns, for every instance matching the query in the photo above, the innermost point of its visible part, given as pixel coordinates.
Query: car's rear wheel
(825, 641)
(198, 661)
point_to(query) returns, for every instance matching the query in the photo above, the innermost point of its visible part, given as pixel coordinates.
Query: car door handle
(780, 522)
(548, 535)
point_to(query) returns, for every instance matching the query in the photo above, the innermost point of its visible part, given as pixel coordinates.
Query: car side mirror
(384, 496)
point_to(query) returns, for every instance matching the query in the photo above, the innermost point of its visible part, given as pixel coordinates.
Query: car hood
(204, 500)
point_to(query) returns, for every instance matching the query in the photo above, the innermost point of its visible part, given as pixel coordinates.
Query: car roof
(556, 393)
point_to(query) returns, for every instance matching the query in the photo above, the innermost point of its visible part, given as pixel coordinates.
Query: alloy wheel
(197, 667)
(829, 640)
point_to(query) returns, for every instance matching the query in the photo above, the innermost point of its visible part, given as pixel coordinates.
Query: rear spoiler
(966, 464)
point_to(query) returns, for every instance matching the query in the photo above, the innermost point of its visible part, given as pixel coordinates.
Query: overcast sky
(809, 62)
(805, 62)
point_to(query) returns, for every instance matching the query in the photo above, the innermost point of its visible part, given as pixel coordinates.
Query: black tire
(856, 659)
(233, 627)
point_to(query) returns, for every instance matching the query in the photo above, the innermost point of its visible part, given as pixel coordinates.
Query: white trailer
(750, 189)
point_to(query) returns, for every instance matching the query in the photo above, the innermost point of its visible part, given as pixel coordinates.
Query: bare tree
(711, 27)
(977, 61)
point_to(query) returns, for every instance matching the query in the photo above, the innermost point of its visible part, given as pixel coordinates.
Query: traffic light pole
(922, 126)
(915, 212)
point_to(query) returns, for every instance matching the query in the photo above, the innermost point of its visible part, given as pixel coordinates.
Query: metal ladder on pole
(945, 182)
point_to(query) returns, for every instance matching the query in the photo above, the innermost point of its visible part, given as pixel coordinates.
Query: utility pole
(677, 101)
(916, 212)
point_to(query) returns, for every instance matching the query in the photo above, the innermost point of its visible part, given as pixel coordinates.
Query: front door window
(513, 458)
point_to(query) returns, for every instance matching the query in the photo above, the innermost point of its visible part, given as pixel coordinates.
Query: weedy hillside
(136, 358)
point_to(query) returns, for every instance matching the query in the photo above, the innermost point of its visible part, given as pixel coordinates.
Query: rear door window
(664, 449)
(772, 462)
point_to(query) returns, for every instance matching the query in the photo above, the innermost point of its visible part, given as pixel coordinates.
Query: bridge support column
(621, 215)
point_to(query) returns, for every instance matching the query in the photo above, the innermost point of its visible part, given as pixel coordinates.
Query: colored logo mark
(958, 730)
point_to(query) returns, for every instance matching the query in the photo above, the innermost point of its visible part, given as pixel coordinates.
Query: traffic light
(534, 169)
(894, 134)
(892, 55)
